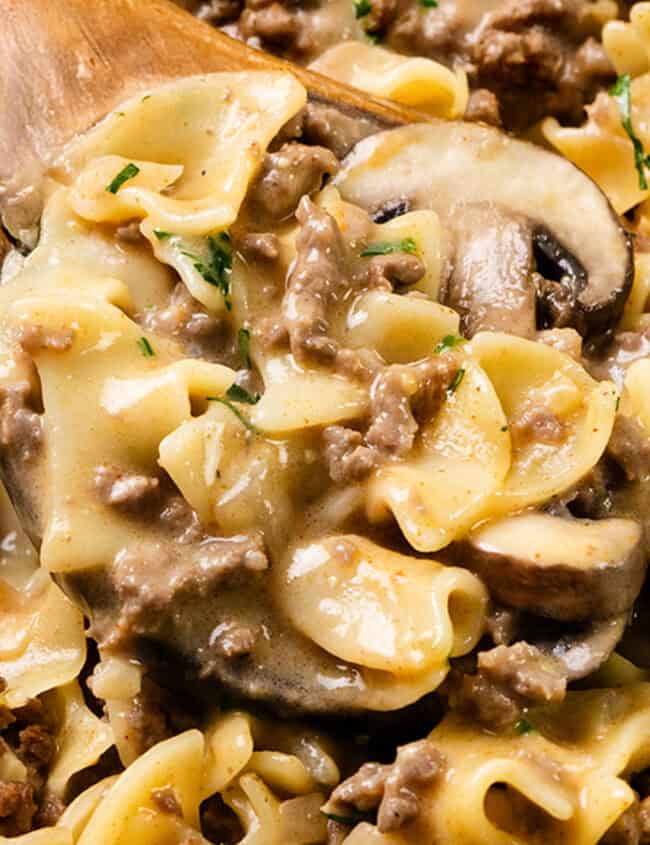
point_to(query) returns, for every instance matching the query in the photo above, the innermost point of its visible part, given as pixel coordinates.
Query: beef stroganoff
(327, 449)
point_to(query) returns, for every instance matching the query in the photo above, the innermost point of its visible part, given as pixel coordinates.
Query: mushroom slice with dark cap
(581, 270)
(565, 569)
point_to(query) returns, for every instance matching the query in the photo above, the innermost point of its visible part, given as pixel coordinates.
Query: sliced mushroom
(566, 569)
(581, 250)
(583, 652)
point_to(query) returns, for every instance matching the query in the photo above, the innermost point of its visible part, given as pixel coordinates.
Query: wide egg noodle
(528, 377)
(81, 394)
(424, 84)
(379, 609)
(441, 489)
(222, 125)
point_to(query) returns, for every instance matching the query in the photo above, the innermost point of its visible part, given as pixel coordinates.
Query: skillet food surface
(325, 436)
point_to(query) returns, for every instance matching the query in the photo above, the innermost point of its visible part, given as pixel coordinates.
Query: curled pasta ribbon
(129, 415)
(565, 773)
(421, 83)
(535, 381)
(205, 158)
(628, 43)
(601, 146)
(383, 611)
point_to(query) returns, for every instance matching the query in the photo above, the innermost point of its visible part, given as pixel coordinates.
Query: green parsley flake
(523, 726)
(453, 387)
(448, 342)
(618, 403)
(146, 348)
(429, 4)
(219, 266)
(162, 235)
(388, 247)
(622, 93)
(362, 8)
(244, 344)
(504, 428)
(241, 417)
(238, 394)
(123, 176)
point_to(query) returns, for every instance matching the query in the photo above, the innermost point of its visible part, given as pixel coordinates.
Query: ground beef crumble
(395, 790)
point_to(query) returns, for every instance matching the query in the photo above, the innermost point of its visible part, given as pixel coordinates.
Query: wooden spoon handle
(65, 63)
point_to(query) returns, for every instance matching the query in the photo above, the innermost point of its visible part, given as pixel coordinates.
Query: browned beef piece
(33, 338)
(394, 270)
(402, 397)
(21, 428)
(629, 446)
(149, 580)
(626, 830)
(483, 107)
(331, 128)
(537, 424)
(201, 334)
(503, 624)
(508, 679)
(17, 808)
(525, 670)
(167, 801)
(525, 53)
(260, 246)
(219, 12)
(127, 490)
(348, 459)
(273, 25)
(394, 790)
(317, 279)
(289, 174)
(37, 746)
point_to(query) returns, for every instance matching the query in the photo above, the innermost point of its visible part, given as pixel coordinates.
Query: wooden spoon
(64, 64)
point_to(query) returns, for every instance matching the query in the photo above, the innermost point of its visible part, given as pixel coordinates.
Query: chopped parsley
(448, 342)
(123, 176)
(429, 4)
(362, 8)
(622, 93)
(146, 348)
(388, 247)
(618, 403)
(231, 407)
(161, 234)
(238, 394)
(244, 345)
(349, 820)
(523, 726)
(504, 428)
(453, 387)
(217, 270)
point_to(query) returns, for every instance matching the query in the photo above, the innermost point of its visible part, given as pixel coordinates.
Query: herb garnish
(453, 387)
(362, 8)
(349, 820)
(448, 341)
(146, 348)
(242, 419)
(161, 234)
(123, 176)
(244, 344)
(503, 428)
(523, 726)
(622, 93)
(429, 4)
(238, 394)
(388, 247)
(217, 271)
(618, 403)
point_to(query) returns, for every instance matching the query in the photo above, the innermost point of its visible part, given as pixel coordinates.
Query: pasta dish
(326, 445)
